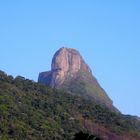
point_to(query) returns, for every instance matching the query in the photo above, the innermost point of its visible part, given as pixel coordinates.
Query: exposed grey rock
(70, 72)
(66, 64)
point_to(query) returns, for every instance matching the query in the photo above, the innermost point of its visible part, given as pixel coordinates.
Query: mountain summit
(70, 73)
(66, 64)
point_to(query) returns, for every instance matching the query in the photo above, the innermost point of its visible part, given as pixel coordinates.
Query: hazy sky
(106, 32)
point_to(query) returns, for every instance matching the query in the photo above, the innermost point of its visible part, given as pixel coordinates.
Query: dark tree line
(85, 136)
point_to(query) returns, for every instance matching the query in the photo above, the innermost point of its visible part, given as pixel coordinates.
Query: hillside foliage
(32, 111)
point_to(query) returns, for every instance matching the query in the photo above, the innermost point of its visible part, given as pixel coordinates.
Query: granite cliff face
(70, 73)
(66, 64)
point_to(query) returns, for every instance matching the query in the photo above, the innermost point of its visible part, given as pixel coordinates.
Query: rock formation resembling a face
(65, 63)
(70, 73)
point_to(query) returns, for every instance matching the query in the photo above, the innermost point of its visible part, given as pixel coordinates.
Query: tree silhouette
(85, 136)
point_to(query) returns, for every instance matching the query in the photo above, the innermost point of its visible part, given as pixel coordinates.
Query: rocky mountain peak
(66, 63)
(70, 73)
(68, 60)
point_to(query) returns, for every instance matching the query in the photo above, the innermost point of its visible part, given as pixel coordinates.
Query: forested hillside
(32, 111)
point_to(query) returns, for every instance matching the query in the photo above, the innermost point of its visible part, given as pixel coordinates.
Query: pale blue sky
(106, 32)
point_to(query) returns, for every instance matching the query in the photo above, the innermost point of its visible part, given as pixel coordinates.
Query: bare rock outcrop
(70, 73)
(66, 63)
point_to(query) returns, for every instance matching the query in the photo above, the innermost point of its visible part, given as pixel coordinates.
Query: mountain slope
(70, 73)
(32, 111)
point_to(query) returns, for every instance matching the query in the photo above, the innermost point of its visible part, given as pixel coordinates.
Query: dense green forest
(31, 111)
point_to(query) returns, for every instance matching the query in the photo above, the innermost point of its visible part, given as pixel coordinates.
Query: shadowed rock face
(70, 72)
